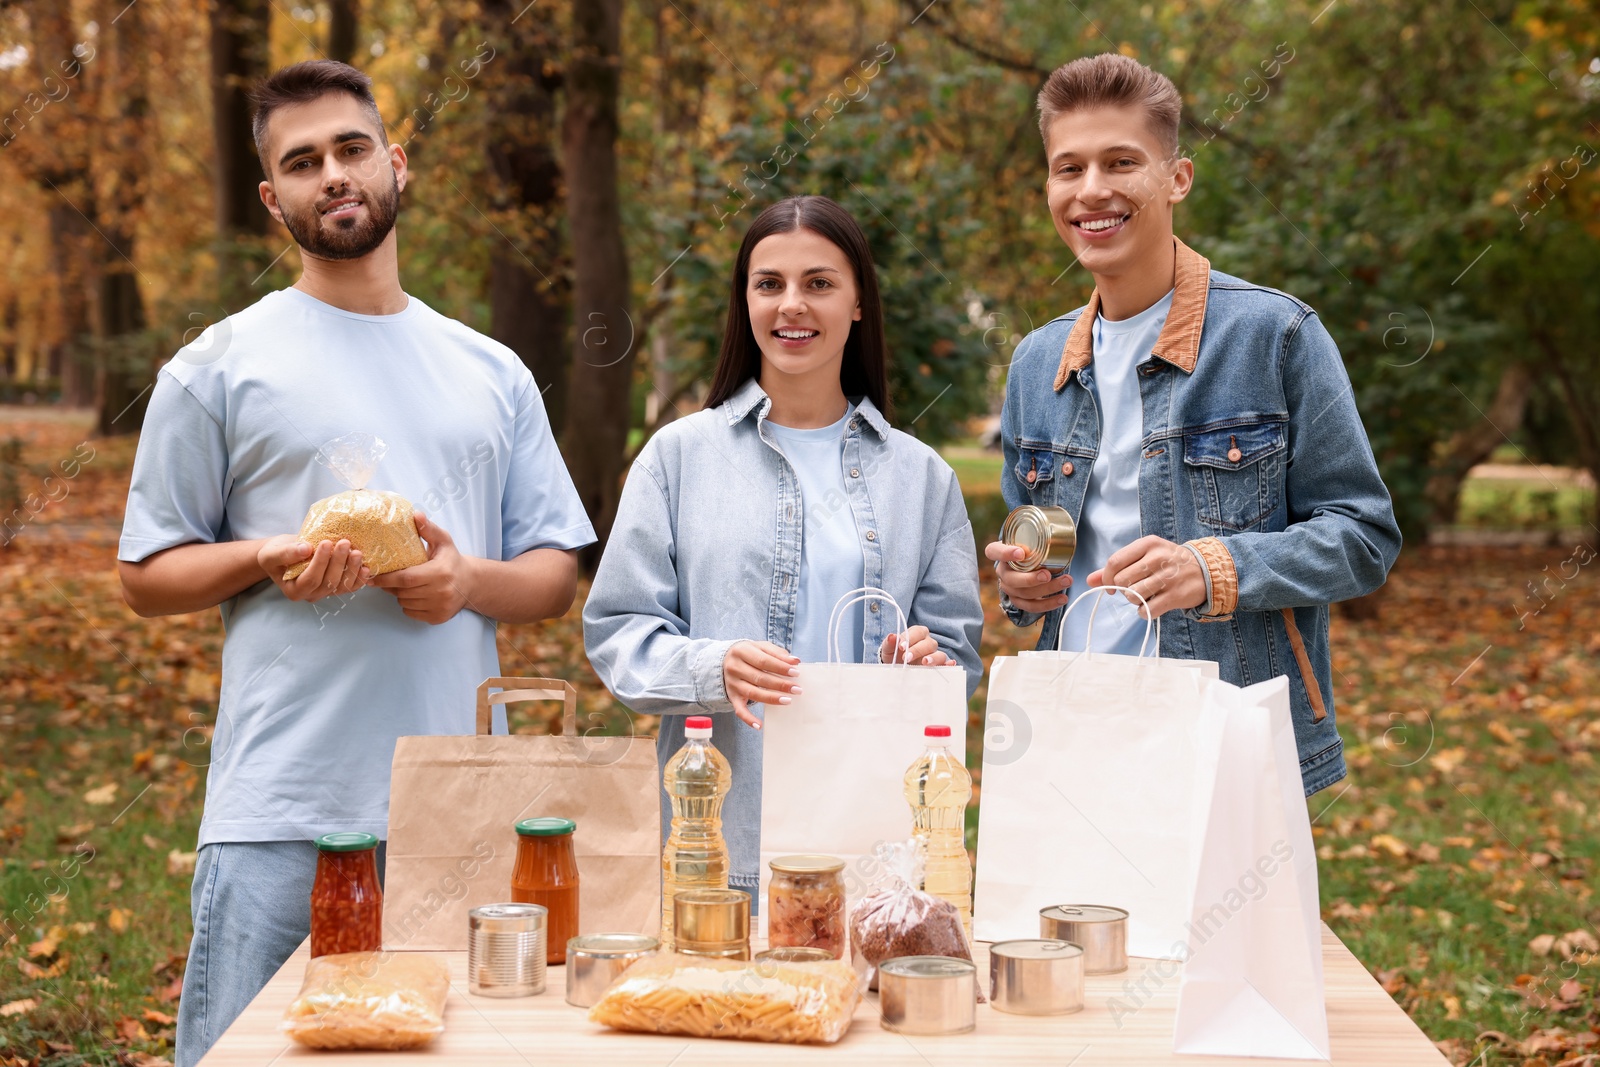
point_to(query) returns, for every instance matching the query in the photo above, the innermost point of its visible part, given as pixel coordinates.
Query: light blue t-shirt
(314, 695)
(831, 563)
(1110, 517)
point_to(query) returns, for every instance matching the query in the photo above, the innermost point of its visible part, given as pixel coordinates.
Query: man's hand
(1035, 592)
(435, 591)
(335, 568)
(1167, 575)
(920, 649)
(758, 672)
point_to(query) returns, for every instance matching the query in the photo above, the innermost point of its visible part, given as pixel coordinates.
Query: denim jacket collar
(1179, 343)
(751, 396)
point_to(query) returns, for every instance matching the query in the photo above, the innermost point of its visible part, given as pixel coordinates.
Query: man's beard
(346, 238)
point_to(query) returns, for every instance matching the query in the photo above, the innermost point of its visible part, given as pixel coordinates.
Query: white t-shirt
(1110, 517)
(831, 563)
(314, 695)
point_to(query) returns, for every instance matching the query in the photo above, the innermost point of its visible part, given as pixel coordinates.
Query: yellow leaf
(18, 1007)
(1390, 844)
(101, 796)
(46, 946)
(180, 863)
(1506, 906)
(117, 921)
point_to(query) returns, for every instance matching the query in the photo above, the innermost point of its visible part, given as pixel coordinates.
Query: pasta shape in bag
(377, 523)
(795, 1003)
(372, 1000)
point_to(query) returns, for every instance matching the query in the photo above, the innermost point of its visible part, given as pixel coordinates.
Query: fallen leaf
(1506, 906)
(160, 1018)
(101, 796)
(141, 1059)
(1427, 852)
(38, 973)
(131, 1031)
(1541, 945)
(180, 863)
(1452, 1007)
(1390, 844)
(71, 835)
(18, 1007)
(46, 946)
(82, 928)
(153, 843)
(117, 921)
(1392, 981)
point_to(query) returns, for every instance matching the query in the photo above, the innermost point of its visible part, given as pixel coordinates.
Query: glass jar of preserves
(805, 904)
(346, 900)
(546, 873)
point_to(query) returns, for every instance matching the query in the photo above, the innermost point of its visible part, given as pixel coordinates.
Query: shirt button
(872, 535)
(1066, 469)
(1234, 455)
(873, 607)
(855, 472)
(1033, 476)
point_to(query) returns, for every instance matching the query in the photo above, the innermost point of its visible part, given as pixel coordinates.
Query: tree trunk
(528, 292)
(344, 18)
(126, 366)
(599, 406)
(239, 32)
(1583, 411)
(1471, 445)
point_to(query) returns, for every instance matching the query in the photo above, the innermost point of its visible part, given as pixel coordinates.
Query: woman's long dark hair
(864, 371)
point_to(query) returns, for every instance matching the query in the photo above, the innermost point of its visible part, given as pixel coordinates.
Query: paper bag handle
(856, 596)
(517, 689)
(1088, 636)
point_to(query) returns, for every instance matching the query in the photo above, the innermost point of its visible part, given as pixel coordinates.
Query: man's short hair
(1112, 80)
(303, 83)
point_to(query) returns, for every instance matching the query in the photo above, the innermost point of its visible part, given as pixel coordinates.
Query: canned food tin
(1048, 536)
(1043, 977)
(506, 950)
(795, 954)
(1101, 930)
(928, 995)
(594, 961)
(712, 922)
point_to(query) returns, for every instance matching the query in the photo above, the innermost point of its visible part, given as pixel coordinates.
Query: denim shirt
(1252, 453)
(705, 551)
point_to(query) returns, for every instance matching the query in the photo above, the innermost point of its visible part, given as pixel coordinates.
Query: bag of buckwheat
(377, 523)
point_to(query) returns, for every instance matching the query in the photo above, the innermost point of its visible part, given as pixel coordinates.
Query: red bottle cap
(936, 731)
(698, 722)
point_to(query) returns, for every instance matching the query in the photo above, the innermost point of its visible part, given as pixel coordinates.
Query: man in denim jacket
(1200, 429)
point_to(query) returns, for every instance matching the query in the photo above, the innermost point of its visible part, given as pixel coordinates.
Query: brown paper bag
(454, 803)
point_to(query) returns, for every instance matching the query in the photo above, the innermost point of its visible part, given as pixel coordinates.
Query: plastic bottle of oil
(697, 780)
(938, 788)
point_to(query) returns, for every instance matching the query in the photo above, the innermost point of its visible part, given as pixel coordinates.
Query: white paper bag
(832, 780)
(1252, 985)
(1094, 781)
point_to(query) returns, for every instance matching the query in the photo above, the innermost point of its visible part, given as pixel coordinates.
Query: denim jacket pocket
(1036, 469)
(1236, 474)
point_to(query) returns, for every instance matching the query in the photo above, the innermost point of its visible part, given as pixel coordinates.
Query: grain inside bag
(376, 523)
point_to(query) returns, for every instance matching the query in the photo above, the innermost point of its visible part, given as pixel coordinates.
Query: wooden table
(1367, 1029)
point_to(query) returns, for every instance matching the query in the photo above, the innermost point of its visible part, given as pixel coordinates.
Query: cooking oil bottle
(938, 788)
(697, 780)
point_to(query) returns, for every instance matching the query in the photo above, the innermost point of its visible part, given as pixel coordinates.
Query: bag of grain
(376, 523)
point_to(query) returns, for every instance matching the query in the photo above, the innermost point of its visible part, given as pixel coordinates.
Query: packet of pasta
(373, 1000)
(764, 1000)
(377, 523)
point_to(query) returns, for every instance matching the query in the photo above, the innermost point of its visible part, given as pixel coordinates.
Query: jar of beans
(346, 900)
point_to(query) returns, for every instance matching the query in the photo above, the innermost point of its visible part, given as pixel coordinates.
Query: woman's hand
(758, 672)
(918, 648)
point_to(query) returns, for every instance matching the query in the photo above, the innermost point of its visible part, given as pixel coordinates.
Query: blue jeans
(251, 903)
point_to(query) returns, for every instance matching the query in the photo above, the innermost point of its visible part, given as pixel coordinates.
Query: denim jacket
(1253, 454)
(705, 551)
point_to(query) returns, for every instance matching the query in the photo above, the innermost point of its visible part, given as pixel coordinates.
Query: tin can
(1043, 977)
(1048, 536)
(594, 961)
(505, 950)
(712, 922)
(794, 954)
(1101, 930)
(928, 995)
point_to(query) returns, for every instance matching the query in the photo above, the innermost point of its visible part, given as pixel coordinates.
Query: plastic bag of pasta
(377, 523)
(764, 1000)
(897, 919)
(376, 1000)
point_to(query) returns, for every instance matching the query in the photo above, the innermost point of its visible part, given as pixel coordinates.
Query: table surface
(1365, 1025)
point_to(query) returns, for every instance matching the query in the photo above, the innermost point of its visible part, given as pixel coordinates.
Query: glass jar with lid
(346, 899)
(546, 873)
(805, 904)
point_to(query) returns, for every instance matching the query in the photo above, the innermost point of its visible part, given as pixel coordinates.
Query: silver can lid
(1084, 913)
(1044, 948)
(507, 918)
(928, 967)
(602, 946)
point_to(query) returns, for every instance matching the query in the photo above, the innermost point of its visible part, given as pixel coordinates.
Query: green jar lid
(546, 827)
(348, 841)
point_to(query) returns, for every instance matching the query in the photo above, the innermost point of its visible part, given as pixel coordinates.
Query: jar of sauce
(805, 904)
(346, 900)
(546, 873)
